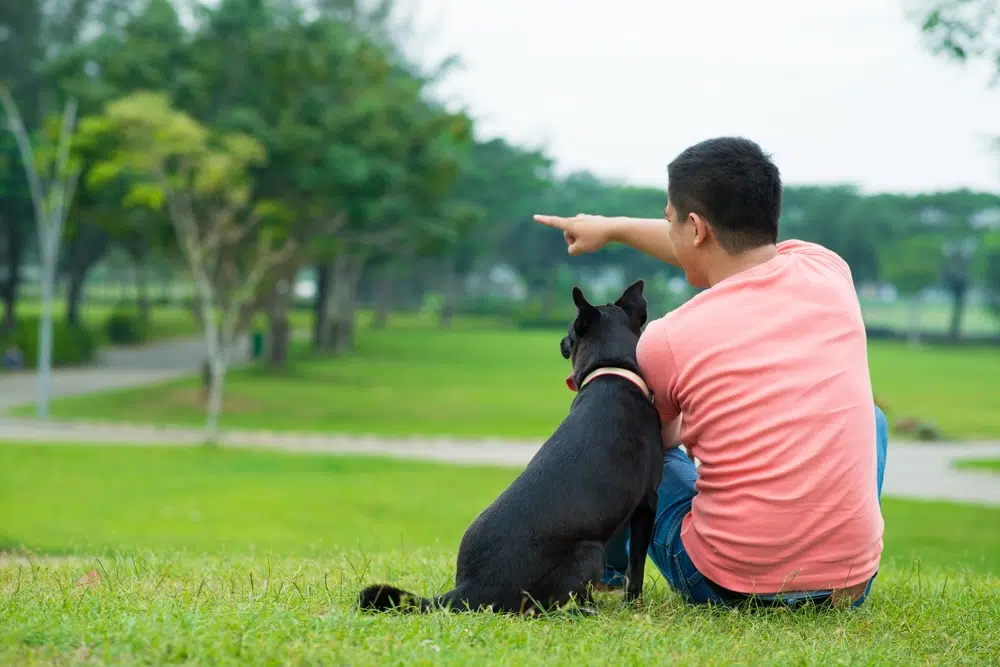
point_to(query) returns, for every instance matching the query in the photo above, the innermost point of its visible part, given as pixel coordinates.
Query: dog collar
(610, 370)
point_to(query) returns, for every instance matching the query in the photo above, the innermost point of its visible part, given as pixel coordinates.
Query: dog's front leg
(641, 534)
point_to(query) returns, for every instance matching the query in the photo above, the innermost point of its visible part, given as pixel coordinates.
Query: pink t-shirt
(769, 370)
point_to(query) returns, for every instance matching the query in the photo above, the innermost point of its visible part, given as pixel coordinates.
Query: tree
(52, 177)
(913, 265)
(32, 34)
(230, 242)
(964, 30)
(990, 270)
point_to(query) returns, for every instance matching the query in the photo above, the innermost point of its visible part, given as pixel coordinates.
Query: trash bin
(257, 344)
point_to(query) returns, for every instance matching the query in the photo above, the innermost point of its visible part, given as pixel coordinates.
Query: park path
(116, 368)
(913, 470)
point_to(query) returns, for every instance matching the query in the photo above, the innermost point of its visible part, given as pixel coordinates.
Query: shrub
(534, 315)
(126, 328)
(488, 306)
(71, 345)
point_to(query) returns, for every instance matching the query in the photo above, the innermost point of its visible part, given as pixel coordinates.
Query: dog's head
(604, 335)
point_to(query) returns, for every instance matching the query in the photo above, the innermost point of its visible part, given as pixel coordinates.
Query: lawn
(474, 380)
(171, 555)
(985, 465)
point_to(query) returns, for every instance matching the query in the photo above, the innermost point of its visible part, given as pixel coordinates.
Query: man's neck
(727, 265)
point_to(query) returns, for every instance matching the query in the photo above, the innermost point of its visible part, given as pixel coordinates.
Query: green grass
(986, 465)
(475, 381)
(85, 500)
(194, 556)
(954, 387)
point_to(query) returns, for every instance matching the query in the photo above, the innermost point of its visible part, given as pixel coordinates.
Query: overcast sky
(837, 90)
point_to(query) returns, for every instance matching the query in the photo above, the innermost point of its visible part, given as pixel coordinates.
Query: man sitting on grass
(764, 378)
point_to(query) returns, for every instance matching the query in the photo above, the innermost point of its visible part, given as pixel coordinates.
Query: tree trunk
(342, 292)
(217, 367)
(280, 330)
(321, 311)
(45, 336)
(214, 365)
(383, 297)
(74, 294)
(959, 291)
(89, 244)
(450, 302)
(10, 285)
(913, 330)
(142, 292)
(278, 341)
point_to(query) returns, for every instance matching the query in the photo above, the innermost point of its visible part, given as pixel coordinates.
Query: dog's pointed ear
(587, 314)
(634, 304)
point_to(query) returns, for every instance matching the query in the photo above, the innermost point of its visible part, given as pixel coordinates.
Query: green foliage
(125, 327)
(536, 314)
(489, 306)
(962, 29)
(991, 270)
(913, 264)
(71, 345)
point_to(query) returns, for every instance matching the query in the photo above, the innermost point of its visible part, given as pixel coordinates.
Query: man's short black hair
(734, 185)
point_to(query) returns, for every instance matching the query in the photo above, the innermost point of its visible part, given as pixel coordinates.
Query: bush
(71, 345)
(126, 328)
(488, 306)
(535, 316)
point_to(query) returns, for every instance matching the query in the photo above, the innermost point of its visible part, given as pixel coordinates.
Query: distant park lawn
(984, 465)
(477, 380)
(181, 555)
(166, 322)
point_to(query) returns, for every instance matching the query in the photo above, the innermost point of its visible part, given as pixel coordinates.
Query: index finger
(553, 221)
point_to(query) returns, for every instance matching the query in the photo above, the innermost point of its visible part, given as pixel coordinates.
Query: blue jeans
(667, 550)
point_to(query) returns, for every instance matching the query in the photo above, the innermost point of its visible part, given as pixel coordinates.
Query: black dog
(542, 540)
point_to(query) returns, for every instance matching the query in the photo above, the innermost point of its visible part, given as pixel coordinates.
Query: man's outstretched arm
(590, 233)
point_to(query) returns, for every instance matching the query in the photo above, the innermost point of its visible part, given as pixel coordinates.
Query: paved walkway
(913, 470)
(117, 368)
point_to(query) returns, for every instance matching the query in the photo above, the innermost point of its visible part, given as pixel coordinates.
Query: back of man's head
(734, 185)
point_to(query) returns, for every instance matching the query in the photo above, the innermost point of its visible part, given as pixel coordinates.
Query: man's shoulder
(814, 251)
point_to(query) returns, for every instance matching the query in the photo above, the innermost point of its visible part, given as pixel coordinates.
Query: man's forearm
(647, 235)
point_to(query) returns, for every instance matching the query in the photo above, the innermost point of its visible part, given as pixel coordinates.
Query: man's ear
(586, 315)
(700, 227)
(634, 304)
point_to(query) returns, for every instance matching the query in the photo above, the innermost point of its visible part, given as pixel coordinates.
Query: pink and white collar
(611, 370)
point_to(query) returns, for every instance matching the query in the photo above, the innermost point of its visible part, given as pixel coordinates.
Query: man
(764, 378)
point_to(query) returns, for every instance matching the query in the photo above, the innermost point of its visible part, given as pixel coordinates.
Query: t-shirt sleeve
(659, 369)
(823, 255)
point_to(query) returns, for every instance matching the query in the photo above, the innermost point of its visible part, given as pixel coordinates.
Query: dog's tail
(381, 597)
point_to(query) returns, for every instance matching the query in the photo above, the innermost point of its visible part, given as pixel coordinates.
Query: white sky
(837, 90)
